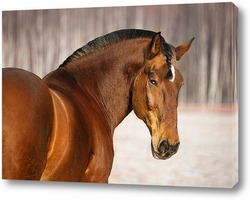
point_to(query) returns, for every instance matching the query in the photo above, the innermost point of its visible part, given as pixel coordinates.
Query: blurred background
(40, 40)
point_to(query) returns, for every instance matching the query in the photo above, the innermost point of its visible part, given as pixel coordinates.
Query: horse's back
(27, 110)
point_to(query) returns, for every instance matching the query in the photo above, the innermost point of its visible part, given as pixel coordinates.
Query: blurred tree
(41, 40)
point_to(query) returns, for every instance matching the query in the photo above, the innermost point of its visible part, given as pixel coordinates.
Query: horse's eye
(153, 82)
(169, 74)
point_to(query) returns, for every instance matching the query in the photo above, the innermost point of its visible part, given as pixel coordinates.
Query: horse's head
(155, 95)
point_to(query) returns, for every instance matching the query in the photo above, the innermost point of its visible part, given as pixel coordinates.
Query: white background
(38, 190)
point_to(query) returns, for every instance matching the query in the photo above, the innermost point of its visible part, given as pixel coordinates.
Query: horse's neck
(107, 75)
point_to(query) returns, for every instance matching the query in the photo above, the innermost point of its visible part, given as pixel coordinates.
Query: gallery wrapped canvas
(144, 95)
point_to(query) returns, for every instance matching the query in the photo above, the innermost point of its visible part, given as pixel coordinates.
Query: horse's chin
(159, 156)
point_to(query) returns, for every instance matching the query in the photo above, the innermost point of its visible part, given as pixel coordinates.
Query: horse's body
(61, 127)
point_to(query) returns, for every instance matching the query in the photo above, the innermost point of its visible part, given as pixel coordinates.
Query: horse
(60, 128)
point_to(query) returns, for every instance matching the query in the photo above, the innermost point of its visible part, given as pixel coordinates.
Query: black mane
(108, 39)
(168, 53)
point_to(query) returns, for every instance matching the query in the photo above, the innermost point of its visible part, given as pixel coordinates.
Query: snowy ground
(207, 157)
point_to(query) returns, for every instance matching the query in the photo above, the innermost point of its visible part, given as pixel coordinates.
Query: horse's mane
(108, 39)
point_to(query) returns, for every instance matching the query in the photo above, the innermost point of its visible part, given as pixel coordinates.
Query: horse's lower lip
(161, 156)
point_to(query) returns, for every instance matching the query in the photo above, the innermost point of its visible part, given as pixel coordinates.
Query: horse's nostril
(176, 147)
(163, 147)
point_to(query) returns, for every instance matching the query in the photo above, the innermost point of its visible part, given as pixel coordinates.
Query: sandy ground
(207, 157)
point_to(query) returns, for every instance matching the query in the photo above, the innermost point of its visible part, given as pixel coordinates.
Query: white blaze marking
(173, 73)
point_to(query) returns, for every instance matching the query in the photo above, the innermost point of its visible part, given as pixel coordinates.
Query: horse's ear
(155, 46)
(182, 49)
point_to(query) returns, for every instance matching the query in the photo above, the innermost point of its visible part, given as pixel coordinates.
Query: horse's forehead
(158, 61)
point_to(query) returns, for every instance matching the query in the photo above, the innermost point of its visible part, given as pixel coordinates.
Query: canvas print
(143, 95)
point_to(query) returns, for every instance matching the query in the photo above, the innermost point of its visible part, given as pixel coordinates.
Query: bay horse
(60, 128)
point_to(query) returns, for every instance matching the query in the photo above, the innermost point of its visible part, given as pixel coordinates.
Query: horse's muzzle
(164, 150)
